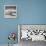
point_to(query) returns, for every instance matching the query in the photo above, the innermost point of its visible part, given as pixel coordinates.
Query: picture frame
(10, 11)
(39, 32)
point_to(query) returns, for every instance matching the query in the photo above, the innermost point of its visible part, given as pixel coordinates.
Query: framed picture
(32, 32)
(10, 11)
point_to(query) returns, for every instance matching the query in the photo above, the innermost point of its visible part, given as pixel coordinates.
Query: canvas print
(10, 11)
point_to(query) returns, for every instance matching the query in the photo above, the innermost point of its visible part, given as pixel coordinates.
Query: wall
(28, 12)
